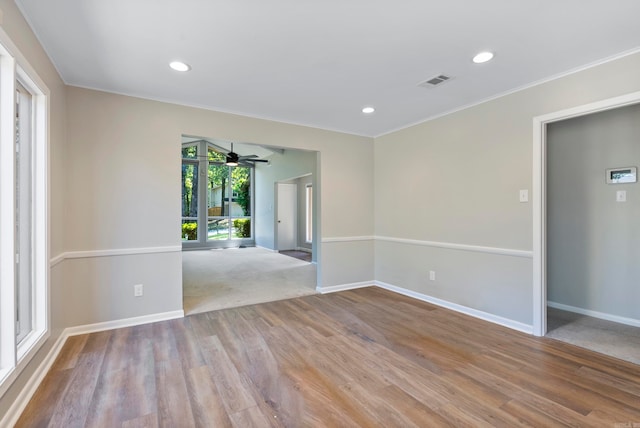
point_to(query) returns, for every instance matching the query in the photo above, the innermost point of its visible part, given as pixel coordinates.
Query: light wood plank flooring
(365, 358)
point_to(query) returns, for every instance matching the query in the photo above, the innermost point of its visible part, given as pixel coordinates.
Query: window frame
(203, 161)
(308, 213)
(23, 198)
(196, 164)
(14, 69)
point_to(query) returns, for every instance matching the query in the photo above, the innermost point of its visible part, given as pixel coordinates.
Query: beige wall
(124, 172)
(458, 183)
(116, 142)
(21, 35)
(14, 25)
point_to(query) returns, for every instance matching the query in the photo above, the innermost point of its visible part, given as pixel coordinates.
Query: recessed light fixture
(368, 110)
(483, 57)
(179, 66)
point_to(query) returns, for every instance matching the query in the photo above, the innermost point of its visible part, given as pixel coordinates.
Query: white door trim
(539, 196)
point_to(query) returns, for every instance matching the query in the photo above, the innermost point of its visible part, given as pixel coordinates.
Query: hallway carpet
(607, 337)
(220, 279)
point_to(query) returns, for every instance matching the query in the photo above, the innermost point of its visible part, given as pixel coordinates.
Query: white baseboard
(505, 322)
(595, 314)
(18, 406)
(305, 249)
(126, 322)
(344, 287)
(267, 249)
(23, 398)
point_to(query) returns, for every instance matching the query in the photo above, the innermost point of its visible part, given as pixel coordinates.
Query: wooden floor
(366, 357)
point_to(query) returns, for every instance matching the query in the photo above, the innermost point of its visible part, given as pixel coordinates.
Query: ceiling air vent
(434, 81)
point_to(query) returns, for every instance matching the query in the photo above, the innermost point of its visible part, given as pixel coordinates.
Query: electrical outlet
(432, 275)
(138, 290)
(524, 195)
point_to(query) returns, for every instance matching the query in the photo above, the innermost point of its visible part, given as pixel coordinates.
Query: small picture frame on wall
(627, 174)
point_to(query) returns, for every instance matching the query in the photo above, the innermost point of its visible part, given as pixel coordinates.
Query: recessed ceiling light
(368, 110)
(483, 57)
(179, 66)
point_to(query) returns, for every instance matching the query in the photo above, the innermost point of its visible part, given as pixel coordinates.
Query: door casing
(539, 196)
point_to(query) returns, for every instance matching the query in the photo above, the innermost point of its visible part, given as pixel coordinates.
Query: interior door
(287, 216)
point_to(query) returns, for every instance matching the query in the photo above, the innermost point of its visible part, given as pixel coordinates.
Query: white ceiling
(319, 62)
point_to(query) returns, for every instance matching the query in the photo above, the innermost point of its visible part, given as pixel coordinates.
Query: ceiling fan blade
(257, 160)
(248, 156)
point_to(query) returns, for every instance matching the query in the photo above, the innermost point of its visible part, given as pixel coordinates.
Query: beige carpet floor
(220, 279)
(610, 338)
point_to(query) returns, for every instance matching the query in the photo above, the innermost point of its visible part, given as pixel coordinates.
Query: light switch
(524, 195)
(621, 196)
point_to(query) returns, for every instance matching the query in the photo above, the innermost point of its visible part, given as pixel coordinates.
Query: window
(190, 192)
(23, 218)
(23, 213)
(216, 198)
(309, 214)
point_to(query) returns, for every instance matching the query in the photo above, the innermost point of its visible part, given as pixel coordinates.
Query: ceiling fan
(233, 159)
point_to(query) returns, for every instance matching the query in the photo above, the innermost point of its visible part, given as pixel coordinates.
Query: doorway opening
(539, 197)
(222, 269)
(294, 217)
(581, 292)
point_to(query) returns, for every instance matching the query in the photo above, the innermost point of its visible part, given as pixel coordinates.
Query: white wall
(301, 210)
(457, 178)
(593, 242)
(290, 164)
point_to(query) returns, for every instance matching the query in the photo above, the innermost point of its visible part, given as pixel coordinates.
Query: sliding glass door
(216, 199)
